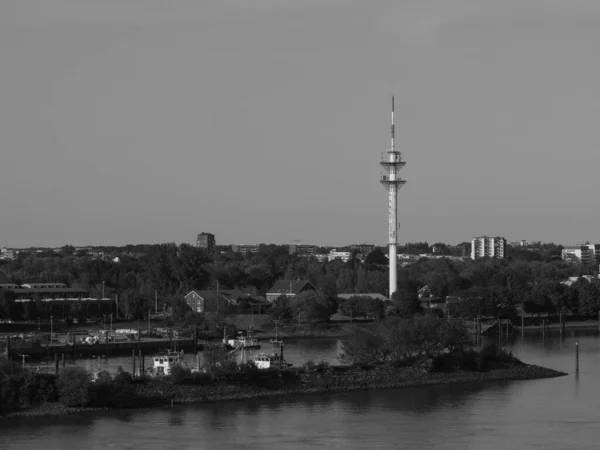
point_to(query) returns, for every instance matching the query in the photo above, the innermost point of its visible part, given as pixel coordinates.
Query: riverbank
(164, 393)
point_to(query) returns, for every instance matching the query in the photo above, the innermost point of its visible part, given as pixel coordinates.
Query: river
(555, 413)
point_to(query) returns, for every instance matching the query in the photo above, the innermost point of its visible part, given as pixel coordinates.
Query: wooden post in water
(133, 362)
(543, 328)
(280, 355)
(577, 357)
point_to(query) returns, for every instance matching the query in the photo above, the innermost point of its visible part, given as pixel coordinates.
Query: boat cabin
(244, 342)
(165, 361)
(264, 361)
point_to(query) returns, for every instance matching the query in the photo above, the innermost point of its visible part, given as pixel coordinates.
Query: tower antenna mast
(392, 182)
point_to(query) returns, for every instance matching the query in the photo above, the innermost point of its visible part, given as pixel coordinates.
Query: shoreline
(167, 394)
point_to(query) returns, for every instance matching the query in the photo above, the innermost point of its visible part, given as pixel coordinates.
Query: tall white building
(493, 247)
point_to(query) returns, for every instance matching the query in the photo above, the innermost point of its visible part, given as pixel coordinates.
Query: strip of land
(163, 392)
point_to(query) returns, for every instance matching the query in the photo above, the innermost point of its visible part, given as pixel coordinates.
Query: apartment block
(484, 246)
(206, 241)
(581, 254)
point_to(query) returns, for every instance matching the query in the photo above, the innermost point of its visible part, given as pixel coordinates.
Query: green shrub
(73, 386)
(493, 353)
(10, 367)
(179, 374)
(200, 379)
(473, 361)
(36, 388)
(447, 362)
(123, 378)
(9, 391)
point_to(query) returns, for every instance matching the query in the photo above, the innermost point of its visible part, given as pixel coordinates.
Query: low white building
(344, 256)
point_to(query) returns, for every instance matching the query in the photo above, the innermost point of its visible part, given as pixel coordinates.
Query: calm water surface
(557, 413)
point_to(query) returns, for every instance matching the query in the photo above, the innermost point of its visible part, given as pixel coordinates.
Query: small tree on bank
(73, 384)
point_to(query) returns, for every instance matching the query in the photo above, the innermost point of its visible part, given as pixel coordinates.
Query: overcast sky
(146, 121)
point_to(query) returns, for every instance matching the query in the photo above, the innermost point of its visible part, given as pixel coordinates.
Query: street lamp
(24, 356)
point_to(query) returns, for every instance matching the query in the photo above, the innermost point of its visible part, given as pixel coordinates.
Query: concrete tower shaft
(392, 182)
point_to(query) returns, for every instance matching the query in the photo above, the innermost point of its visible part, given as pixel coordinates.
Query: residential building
(289, 288)
(206, 241)
(302, 251)
(580, 254)
(208, 300)
(365, 249)
(484, 246)
(244, 248)
(6, 253)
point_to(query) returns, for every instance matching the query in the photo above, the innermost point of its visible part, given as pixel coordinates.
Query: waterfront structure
(206, 241)
(492, 247)
(46, 292)
(581, 254)
(392, 163)
(372, 295)
(289, 289)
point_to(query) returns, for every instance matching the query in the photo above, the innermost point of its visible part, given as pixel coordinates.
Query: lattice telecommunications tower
(392, 182)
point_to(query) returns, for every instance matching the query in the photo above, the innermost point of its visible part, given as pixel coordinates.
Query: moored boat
(164, 362)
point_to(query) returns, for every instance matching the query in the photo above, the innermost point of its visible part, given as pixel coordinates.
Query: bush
(493, 353)
(448, 362)
(10, 367)
(200, 379)
(37, 388)
(473, 361)
(73, 386)
(9, 391)
(180, 374)
(123, 378)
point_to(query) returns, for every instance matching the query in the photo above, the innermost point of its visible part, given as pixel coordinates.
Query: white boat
(264, 361)
(163, 363)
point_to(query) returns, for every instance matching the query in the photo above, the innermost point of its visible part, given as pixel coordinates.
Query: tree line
(528, 279)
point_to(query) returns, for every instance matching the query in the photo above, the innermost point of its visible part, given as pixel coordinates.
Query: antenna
(393, 127)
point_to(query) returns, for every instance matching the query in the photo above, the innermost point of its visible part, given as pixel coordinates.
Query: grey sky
(143, 121)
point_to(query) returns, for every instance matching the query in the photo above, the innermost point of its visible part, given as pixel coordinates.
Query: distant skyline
(147, 121)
